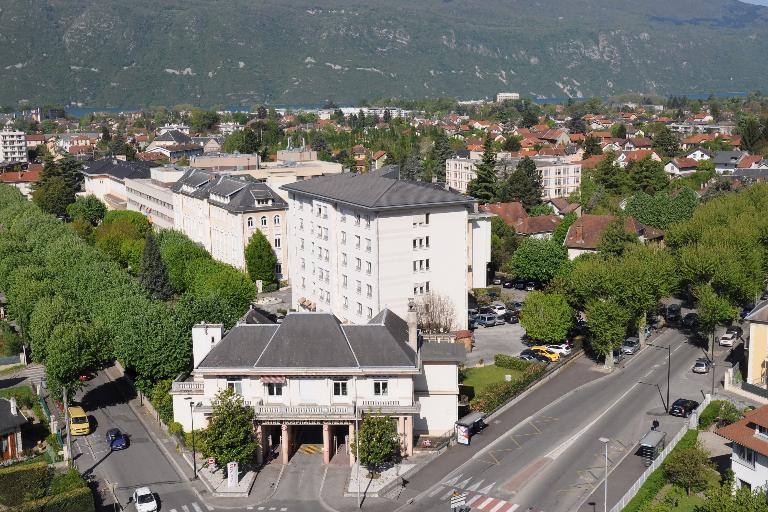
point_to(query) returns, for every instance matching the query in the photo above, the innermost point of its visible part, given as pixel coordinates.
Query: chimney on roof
(14, 408)
(413, 331)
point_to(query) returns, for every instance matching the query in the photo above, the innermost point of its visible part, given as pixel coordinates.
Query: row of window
(345, 305)
(149, 198)
(420, 265)
(421, 288)
(263, 220)
(358, 263)
(154, 213)
(358, 241)
(421, 243)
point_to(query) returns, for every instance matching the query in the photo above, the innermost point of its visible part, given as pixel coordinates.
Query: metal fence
(757, 390)
(694, 419)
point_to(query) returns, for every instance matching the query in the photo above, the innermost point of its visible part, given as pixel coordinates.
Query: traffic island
(219, 486)
(385, 481)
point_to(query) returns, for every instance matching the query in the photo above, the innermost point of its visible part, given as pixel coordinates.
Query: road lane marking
(436, 490)
(185, 508)
(446, 495)
(196, 507)
(453, 480)
(514, 507)
(487, 488)
(464, 483)
(498, 506)
(473, 499)
(475, 486)
(486, 502)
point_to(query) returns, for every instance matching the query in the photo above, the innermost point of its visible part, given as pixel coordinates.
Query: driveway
(501, 339)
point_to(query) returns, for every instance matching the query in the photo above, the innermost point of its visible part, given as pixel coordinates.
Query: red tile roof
(79, 150)
(514, 215)
(588, 230)
(592, 161)
(378, 155)
(743, 431)
(150, 156)
(37, 137)
(639, 154)
(685, 163)
(31, 175)
(697, 138)
(748, 161)
(641, 142)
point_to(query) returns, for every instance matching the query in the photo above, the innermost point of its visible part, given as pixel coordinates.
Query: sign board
(458, 499)
(462, 434)
(211, 461)
(508, 378)
(232, 474)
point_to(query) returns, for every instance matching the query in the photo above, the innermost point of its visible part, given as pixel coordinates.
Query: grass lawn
(481, 377)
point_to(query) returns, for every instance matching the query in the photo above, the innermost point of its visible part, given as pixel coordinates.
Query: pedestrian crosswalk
(477, 497)
(192, 507)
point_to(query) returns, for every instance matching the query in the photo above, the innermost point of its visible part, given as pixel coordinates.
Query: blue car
(116, 440)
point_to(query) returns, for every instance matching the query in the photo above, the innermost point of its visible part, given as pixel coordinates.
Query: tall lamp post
(605, 440)
(194, 453)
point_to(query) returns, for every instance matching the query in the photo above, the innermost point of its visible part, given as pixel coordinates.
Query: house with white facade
(153, 196)
(749, 445)
(360, 243)
(13, 147)
(222, 213)
(459, 172)
(312, 378)
(105, 179)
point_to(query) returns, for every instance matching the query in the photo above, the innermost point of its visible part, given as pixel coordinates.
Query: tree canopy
(484, 186)
(260, 259)
(378, 441)
(547, 316)
(524, 184)
(537, 260)
(229, 436)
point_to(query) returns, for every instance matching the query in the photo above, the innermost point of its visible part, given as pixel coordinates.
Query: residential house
(105, 178)
(749, 449)
(695, 140)
(23, 180)
(170, 137)
(585, 234)
(227, 128)
(210, 144)
(681, 166)
(514, 215)
(11, 421)
(152, 196)
(627, 157)
(757, 355)
(35, 139)
(13, 147)
(638, 143)
(176, 152)
(699, 154)
(182, 128)
(315, 377)
(362, 242)
(460, 171)
(562, 207)
(222, 213)
(728, 161)
(379, 159)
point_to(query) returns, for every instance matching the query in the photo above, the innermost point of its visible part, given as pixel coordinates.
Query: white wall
(435, 415)
(757, 477)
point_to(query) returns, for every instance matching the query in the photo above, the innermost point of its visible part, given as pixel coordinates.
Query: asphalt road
(554, 461)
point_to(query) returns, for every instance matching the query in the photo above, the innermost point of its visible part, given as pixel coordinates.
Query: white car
(562, 349)
(500, 309)
(728, 339)
(144, 500)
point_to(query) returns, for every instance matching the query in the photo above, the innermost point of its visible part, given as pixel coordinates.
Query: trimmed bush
(75, 500)
(162, 401)
(20, 481)
(510, 362)
(709, 414)
(496, 395)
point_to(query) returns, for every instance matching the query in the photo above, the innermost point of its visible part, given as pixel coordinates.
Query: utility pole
(669, 367)
(605, 441)
(66, 425)
(712, 360)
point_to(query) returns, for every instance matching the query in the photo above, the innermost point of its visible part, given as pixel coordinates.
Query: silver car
(630, 345)
(702, 365)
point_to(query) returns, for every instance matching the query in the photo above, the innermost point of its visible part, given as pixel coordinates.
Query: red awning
(273, 379)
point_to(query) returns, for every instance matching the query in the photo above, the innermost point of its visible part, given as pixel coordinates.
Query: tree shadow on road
(108, 394)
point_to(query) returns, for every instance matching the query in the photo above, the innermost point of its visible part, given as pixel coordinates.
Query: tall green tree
(88, 208)
(619, 131)
(662, 210)
(413, 169)
(153, 274)
(607, 322)
(610, 175)
(752, 132)
(547, 316)
(591, 147)
(378, 442)
(441, 151)
(648, 176)
(242, 141)
(484, 186)
(616, 239)
(561, 231)
(503, 243)
(229, 436)
(524, 184)
(260, 259)
(54, 196)
(690, 468)
(203, 120)
(537, 260)
(666, 143)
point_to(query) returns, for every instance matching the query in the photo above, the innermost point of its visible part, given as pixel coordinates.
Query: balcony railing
(304, 411)
(192, 388)
(388, 407)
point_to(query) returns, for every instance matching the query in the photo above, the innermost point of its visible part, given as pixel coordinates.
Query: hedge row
(511, 362)
(76, 500)
(709, 414)
(20, 481)
(496, 395)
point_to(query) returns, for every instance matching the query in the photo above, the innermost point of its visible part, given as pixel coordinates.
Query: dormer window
(263, 202)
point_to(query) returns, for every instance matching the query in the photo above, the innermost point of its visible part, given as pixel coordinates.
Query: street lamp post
(605, 440)
(194, 453)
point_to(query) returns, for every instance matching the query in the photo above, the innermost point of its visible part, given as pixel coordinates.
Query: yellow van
(78, 422)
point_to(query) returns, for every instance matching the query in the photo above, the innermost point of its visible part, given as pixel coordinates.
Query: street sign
(232, 474)
(458, 499)
(462, 434)
(211, 461)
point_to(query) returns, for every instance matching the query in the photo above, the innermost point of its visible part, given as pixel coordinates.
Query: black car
(673, 313)
(512, 316)
(735, 329)
(508, 284)
(535, 355)
(691, 321)
(497, 280)
(116, 440)
(530, 342)
(519, 284)
(746, 310)
(618, 355)
(517, 306)
(683, 407)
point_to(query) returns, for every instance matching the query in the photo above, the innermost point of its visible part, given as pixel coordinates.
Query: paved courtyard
(489, 341)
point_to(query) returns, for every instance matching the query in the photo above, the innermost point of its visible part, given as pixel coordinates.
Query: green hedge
(510, 362)
(76, 500)
(20, 481)
(496, 395)
(709, 414)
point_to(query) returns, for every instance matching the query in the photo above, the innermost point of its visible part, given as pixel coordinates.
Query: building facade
(312, 378)
(749, 445)
(105, 179)
(13, 147)
(222, 213)
(362, 243)
(153, 196)
(11, 421)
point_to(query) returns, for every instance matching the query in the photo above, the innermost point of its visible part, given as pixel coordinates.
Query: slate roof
(315, 340)
(449, 352)
(727, 157)
(759, 314)
(8, 421)
(118, 169)
(242, 191)
(374, 191)
(174, 136)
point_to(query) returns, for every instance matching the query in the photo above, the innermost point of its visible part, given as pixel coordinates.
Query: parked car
(728, 339)
(683, 407)
(735, 329)
(630, 346)
(78, 421)
(493, 294)
(690, 321)
(746, 310)
(563, 349)
(530, 286)
(618, 355)
(472, 324)
(512, 316)
(508, 284)
(536, 355)
(472, 313)
(498, 308)
(519, 284)
(116, 440)
(673, 313)
(145, 500)
(488, 320)
(527, 357)
(702, 365)
(517, 306)
(497, 280)
(544, 351)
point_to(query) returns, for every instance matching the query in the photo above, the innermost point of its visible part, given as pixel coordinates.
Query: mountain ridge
(205, 52)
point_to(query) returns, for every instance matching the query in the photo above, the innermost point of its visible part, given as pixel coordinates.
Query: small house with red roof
(681, 166)
(749, 449)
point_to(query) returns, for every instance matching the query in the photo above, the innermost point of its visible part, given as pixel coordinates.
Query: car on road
(536, 355)
(630, 346)
(735, 329)
(563, 349)
(512, 316)
(490, 320)
(116, 440)
(683, 407)
(544, 351)
(78, 421)
(690, 321)
(702, 365)
(618, 355)
(145, 500)
(673, 313)
(530, 286)
(728, 339)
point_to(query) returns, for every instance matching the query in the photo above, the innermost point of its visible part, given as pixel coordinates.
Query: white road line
(486, 502)
(435, 491)
(260, 508)
(445, 496)
(473, 499)
(464, 483)
(196, 507)
(513, 508)
(475, 486)
(283, 509)
(498, 506)
(185, 508)
(173, 510)
(487, 488)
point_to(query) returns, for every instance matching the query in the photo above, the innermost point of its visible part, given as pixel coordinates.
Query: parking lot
(489, 341)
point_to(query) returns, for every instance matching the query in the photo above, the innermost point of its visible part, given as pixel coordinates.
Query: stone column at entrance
(285, 443)
(351, 446)
(401, 432)
(409, 435)
(326, 444)
(262, 449)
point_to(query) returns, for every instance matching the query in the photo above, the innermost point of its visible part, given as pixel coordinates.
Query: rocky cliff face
(107, 52)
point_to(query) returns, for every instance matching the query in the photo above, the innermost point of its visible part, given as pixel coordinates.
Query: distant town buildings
(507, 96)
(13, 147)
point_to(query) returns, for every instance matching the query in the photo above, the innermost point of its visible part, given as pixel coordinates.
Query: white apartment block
(559, 177)
(13, 147)
(362, 243)
(106, 178)
(222, 213)
(153, 196)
